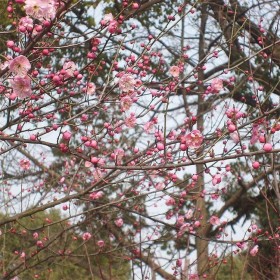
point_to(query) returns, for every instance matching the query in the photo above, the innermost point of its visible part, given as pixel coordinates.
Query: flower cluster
(21, 83)
(40, 9)
(192, 140)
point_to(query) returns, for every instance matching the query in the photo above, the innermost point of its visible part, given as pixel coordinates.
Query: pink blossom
(174, 71)
(86, 236)
(148, 127)
(170, 201)
(119, 222)
(216, 85)
(234, 113)
(180, 220)
(107, 18)
(127, 83)
(130, 121)
(126, 103)
(20, 66)
(91, 88)
(113, 26)
(21, 86)
(179, 263)
(185, 227)
(193, 140)
(22, 255)
(96, 195)
(193, 277)
(67, 135)
(88, 164)
(40, 9)
(216, 179)
(241, 245)
(24, 164)
(100, 243)
(118, 155)
(40, 244)
(69, 68)
(189, 214)
(65, 207)
(160, 186)
(35, 235)
(214, 221)
(25, 24)
(235, 137)
(97, 173)
(254, 251)
(267, 147)
(255, 135)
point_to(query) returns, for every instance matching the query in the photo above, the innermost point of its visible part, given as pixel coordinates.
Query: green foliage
(235, 268)
(61, 258)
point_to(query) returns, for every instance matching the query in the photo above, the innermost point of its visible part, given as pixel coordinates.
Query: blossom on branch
(254, 251)
(24, 164)
(69, 69)
(193, 140)
(25, 24)
(174, 71)
(21, 86)
(127, 83)
(40, 9)
(217, 85)
(20, 66)
(90, 89)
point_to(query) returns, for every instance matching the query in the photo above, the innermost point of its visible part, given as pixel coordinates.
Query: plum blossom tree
(152, 126)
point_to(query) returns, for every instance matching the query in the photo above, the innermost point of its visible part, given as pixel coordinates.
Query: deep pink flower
(20, 66)
(174, 71)
(127, 83)
(217, 85)
(21, 86)
(194, 139)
